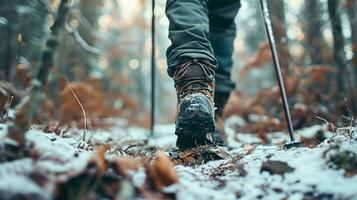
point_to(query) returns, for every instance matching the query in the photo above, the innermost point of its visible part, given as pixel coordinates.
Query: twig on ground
(329, 124)
(82, 108)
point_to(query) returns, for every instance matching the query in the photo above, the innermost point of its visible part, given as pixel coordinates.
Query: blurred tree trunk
(90, 11)
(277, 10)
(9, 32)
(74, 60)
(352, 15)
(31, 104)
(339, 53)
(28, 18)
(344, 79)
(141, 83)
(314, 39)
(351, 10)
(8, 57)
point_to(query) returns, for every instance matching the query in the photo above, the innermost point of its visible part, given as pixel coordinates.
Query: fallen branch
(78, 38)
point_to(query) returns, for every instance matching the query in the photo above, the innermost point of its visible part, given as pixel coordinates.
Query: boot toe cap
(197, 106)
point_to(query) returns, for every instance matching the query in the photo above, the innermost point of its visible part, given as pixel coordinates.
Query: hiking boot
(194, 83)
(219, 136)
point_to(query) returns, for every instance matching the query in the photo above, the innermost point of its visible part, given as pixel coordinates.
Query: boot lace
(187, 86)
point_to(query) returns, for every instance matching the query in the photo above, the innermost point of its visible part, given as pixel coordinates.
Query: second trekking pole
(269, 30)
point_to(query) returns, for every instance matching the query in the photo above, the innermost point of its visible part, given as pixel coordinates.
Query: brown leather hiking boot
(194, 82)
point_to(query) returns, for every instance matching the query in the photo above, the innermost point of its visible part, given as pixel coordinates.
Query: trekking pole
(152, 123)
(269, 30)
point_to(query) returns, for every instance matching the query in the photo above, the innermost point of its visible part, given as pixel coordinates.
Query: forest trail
(86, 63)
(249, 170)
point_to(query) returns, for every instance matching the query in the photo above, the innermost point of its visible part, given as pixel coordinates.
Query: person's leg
(188, 32)
(222, 32)
(192, 66)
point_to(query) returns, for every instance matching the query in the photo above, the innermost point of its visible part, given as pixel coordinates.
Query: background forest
(75, 105)
(104, 50)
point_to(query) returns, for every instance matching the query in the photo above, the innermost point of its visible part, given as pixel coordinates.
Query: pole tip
(292, 145)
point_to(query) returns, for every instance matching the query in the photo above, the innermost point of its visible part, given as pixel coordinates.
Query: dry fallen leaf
(276, 167)
(94, 103)
(262, 56)
(161, 171)
(198, 155)
(123, 165)
(98, 159)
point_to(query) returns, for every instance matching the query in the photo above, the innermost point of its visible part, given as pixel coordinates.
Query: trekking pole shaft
(270, 34)
(152, 68)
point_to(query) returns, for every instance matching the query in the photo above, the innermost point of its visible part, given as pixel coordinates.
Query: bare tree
(29, 21)
(30, 105)
(315, 43)
(338, 39)
(351, 11)
(277, 10)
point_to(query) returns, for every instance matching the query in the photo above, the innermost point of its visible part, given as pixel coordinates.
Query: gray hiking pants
(203, 29)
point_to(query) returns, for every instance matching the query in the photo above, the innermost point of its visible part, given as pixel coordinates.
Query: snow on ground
(312, 177)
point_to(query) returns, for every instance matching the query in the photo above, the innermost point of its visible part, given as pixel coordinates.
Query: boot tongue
(194, 71)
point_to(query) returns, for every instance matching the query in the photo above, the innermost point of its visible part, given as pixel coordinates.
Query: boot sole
(192, 132)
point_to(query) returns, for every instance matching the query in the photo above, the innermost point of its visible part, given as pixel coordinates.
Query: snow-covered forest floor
(61, 166)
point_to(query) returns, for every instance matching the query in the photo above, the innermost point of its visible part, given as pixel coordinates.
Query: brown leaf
(93, 101)
(198, 155)
(123, 165)
(263, 55)
(314, 140)
(276, 167)
(98, 159)
(240, 104)
(318, 74)
(161, 171)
